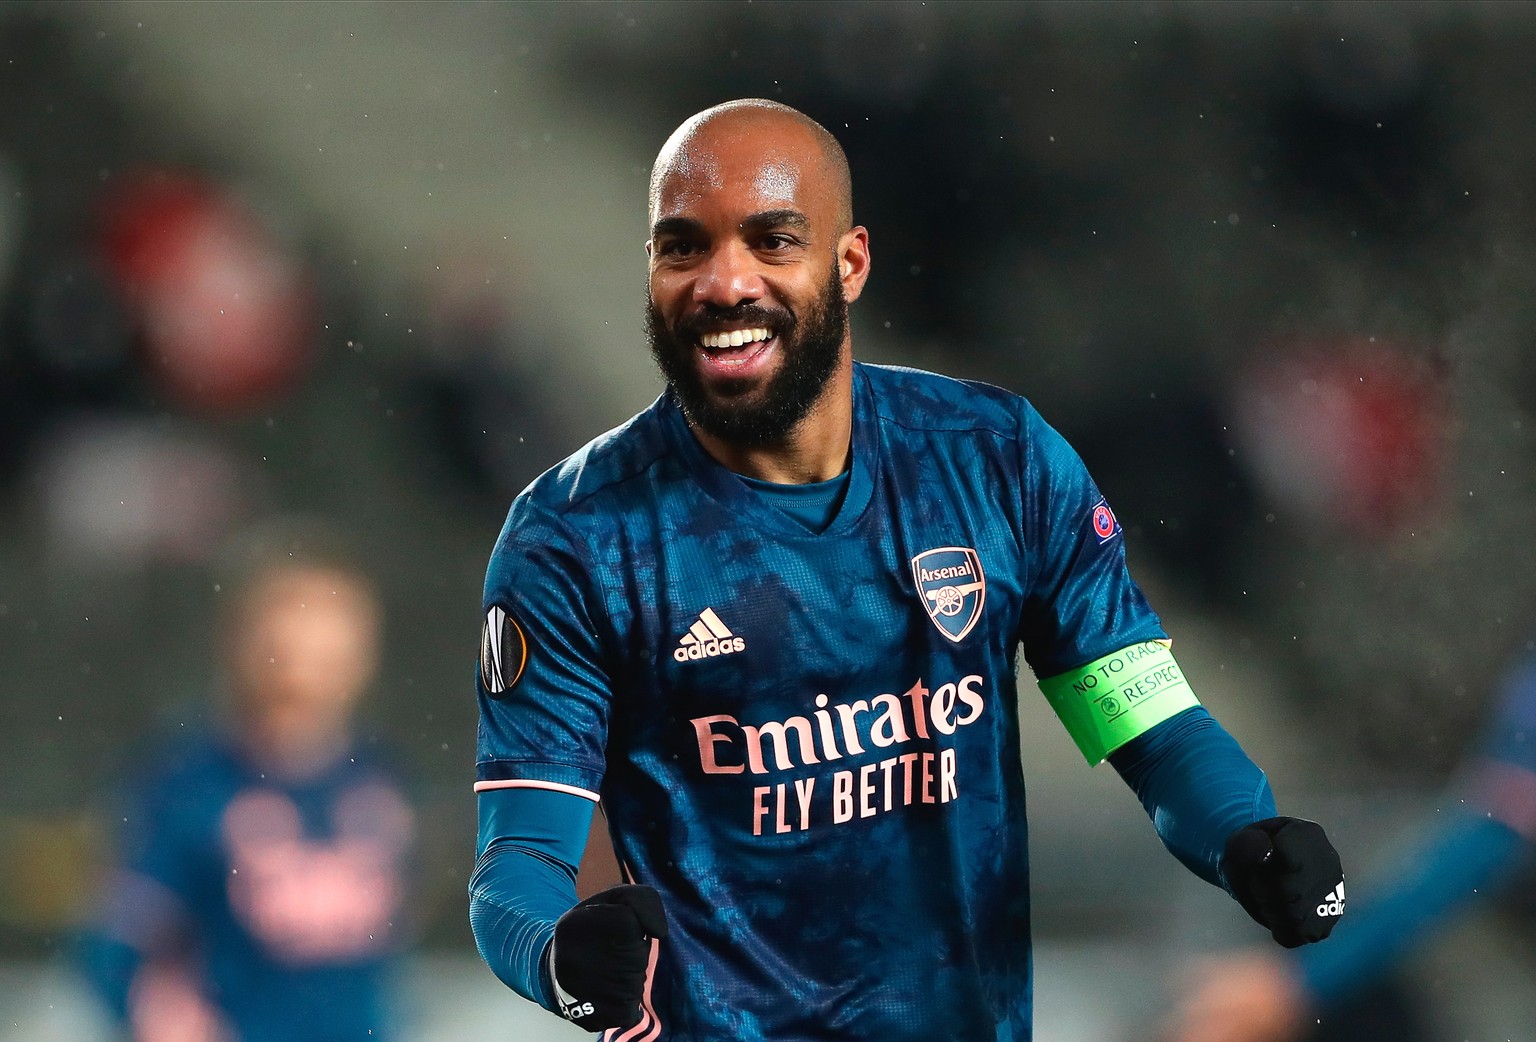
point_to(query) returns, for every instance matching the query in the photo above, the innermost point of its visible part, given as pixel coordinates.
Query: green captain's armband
(1106, 703)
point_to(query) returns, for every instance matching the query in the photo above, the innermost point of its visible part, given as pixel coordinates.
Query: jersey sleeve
(144, 911)
(530, 845)
(1080, 601)
(161, 838)
(543, 684)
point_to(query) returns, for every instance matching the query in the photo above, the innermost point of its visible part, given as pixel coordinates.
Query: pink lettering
(829, 747)
(704, 727)
(941, 707)
(866, 791)
(803, 787)
(889, 728)
(782, 791)
(971, 696)
(759, 809)
(849, 715)
(842, 797)
(779, 734)
(885, 768)
(917, 692)
(907, 760)
(311, 901)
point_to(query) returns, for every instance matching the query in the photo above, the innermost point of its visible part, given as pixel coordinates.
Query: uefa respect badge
(953, 588)
(1105, 525)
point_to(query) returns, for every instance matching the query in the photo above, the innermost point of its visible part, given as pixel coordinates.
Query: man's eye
(777, 242)
(677, 248)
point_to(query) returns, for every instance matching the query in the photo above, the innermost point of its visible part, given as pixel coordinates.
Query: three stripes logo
(503, 651)
(706, 638)
(1333, 904)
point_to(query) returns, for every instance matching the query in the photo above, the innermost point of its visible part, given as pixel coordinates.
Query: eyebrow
(675, 226)
(777, 219)
(761, 221)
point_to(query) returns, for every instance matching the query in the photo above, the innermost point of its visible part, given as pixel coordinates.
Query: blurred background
(1268, 266)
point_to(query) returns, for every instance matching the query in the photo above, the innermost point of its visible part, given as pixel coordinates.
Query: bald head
(789, 145)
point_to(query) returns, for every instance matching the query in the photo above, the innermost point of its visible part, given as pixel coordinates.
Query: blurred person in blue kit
(1479, 842)
(261, 876)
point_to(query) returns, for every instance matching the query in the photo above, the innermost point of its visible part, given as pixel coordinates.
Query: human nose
(727, 278)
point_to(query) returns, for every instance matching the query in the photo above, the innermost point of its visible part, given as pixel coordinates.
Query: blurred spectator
(225, 312)
(1352, 434)
(260, 884)
(1476, 845)
(118, 492)
(475, 410)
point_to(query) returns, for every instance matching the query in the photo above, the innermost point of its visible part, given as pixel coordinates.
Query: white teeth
(735, 338)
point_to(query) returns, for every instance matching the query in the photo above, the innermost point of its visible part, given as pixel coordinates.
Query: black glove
(1286, 874)
(601, 950)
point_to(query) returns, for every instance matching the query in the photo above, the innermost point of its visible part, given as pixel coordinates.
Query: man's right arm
(545, 692)
(142, 917)
(530, 844)
(586, 961)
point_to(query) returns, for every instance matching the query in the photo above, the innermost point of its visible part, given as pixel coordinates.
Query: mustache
(709, 316)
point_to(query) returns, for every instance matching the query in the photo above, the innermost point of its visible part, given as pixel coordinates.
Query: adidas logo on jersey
(706, 638)
(1333, 904)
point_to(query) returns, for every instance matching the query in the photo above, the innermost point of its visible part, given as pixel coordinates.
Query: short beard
(811, 350)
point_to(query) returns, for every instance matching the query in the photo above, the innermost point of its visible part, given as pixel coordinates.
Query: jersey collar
(725, 487)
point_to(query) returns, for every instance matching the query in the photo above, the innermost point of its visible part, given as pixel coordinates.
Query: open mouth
(736, 349)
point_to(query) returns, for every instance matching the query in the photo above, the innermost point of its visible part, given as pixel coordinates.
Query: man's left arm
(1197, 785)
(1105, 666)
(1214, 811)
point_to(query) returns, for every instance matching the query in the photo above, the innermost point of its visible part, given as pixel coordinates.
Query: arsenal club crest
(953, 588)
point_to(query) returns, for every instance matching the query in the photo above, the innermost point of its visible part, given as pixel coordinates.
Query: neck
(816, 449)
(287, 754)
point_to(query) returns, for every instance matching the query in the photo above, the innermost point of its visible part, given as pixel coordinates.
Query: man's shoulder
(601, 467)
(177, 767)
(921, 400)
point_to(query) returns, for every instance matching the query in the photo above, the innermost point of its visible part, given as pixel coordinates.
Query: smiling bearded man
(771, 624)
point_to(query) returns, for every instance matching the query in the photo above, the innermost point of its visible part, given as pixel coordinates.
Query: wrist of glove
(1287, 876)
(600, 954)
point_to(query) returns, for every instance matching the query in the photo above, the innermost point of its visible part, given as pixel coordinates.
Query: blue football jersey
(808, 742)
(277, 901)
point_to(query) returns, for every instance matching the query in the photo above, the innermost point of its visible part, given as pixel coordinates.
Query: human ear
(853, 261)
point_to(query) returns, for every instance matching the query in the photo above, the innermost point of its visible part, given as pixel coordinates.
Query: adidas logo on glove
(575, 1010)
(1333, 904)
